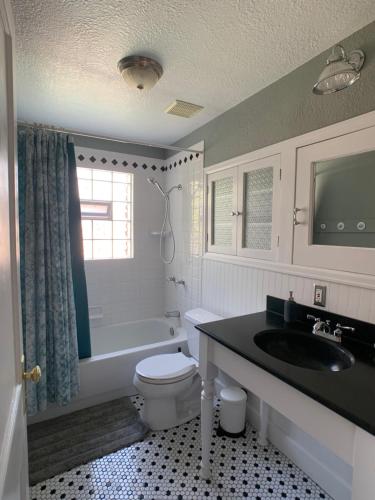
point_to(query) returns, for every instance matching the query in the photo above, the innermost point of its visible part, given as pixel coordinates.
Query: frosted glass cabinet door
(258, 195)
(335, 222)
(222, 211)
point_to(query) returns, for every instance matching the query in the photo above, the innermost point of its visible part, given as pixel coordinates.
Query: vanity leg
(363, 485)
(208, 372)
(207, 418)
(263, 428)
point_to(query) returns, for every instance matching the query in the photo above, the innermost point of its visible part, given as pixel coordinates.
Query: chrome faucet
(173, 279)
(320, 326)
(323, 329)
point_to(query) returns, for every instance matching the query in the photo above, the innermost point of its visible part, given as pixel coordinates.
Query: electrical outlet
(320, 293)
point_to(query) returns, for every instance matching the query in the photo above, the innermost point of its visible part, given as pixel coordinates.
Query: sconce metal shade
(340, 72)
(140, 72)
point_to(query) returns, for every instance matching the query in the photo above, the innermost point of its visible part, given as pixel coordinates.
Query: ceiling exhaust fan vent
(183, 109)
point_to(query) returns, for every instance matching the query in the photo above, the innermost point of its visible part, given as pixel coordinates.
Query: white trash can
(232, 412)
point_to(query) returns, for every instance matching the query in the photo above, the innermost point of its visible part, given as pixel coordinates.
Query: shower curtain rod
(103, 138)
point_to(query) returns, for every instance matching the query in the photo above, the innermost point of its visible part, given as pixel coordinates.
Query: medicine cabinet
(334, 215)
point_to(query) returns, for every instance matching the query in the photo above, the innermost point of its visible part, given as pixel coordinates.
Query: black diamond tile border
(165, 465)
(145, 166)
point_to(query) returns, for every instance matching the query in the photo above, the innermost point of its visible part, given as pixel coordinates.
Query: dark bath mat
(62, 443)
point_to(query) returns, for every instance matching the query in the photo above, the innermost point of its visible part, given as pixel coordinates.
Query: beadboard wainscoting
(232, 289)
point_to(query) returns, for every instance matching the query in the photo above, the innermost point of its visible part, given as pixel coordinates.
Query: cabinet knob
(233, 213)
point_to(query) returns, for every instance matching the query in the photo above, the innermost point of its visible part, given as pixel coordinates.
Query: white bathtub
(114, 338)
(116, 350)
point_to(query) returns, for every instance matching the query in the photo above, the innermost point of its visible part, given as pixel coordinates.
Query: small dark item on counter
(290, 309)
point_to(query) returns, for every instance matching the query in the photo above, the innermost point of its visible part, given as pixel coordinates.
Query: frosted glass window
(102, 229)
(102, 249)
(107, 213)
(121, 230)
(87, 229)
(344, 208)
(258, 192)
(102, 175)
(85, 189)
(121, 248)
(121, 211)
(84, 173)
(102, 190)
(222, 206)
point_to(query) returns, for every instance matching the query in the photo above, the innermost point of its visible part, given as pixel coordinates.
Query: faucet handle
(340, 328)
(172, 279)
(310, 316)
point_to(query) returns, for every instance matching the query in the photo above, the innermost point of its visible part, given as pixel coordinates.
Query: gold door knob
(34, 375)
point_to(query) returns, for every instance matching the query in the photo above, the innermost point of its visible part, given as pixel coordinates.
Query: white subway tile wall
(124, 290)
(187, 216)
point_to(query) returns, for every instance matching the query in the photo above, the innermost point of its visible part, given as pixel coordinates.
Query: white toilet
(170, 383)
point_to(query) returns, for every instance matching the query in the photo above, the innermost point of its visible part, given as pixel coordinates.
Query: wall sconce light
(340, 72)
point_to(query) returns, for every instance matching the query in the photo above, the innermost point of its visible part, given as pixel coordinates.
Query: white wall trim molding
(10, 432)
(319, 274)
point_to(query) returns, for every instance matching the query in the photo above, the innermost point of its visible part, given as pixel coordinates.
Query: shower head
(155, 183)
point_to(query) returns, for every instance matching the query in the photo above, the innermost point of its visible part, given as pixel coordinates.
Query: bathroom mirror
(344, 201)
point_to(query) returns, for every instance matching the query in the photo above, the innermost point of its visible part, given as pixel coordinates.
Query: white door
(13, 444)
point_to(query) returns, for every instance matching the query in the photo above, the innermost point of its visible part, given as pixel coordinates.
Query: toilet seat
(166, 368)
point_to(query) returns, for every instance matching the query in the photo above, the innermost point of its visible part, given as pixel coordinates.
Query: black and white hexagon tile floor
(166, 466)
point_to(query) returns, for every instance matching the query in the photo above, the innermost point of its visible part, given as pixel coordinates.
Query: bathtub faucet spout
(172, 314)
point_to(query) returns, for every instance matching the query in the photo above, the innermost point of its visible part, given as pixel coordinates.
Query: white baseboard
(320, 471)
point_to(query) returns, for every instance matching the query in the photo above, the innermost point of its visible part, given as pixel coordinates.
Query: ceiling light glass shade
(140, 72)
(340, 72)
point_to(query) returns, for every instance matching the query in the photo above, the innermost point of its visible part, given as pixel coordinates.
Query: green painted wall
(288, 107)
(118, 147)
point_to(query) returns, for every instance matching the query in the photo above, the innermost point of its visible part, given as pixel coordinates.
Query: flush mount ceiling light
(140, 72)
(340, 72)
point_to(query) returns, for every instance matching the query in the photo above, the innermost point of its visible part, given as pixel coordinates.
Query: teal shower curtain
(50, 299)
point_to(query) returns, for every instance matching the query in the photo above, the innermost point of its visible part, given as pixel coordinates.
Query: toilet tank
(192, 318)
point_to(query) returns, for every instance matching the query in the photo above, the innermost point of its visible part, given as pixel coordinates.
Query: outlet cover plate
(320, 294)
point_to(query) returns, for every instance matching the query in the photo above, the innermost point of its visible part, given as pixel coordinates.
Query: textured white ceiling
(214, 52)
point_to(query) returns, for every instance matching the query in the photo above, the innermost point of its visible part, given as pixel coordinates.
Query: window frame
(108, 204)
(112, 169)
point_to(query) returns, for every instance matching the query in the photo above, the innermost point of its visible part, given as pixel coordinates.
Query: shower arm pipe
(104, 138)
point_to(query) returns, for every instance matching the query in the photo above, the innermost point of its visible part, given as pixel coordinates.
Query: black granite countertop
(350, 392)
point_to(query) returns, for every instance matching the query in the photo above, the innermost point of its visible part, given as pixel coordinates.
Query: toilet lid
(166, 367)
